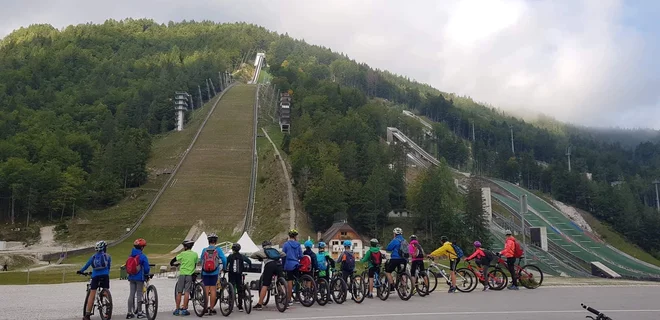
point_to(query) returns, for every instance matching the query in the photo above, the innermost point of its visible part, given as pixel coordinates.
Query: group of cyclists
(290, 263)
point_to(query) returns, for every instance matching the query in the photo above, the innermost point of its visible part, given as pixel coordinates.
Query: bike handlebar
(590, 309)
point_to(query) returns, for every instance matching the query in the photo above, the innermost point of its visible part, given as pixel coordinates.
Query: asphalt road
(64, 301)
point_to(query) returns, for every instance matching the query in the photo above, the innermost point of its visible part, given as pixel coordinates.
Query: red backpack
(133, 266)
(211, 260)
(376, 258)
(305, 264)
(517, 250)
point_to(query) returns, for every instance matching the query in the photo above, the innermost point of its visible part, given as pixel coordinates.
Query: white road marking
(392, 315)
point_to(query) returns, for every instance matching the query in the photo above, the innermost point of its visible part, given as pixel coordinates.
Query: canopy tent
(201, 243)
(247, 245)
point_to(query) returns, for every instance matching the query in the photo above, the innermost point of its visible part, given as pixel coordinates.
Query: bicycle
(422, 286)
(225, 295)
(197, 296)
(277, 288)
(338, 287)
(497, 279)
(381, 284)
(103, 301)
(247, 295)
(464, 279)
(304, 289)
(355, 285)
(524, 274)
(322, 289)
(403, 281)
(149, 299)
(599, 315)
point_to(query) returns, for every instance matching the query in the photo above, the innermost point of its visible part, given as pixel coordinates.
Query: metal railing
(249, 210)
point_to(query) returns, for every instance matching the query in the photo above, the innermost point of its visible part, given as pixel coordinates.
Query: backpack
(211, 260)
(404, 251)
(100, 261)
(349, 262)
(305, 264)
(419, 251)
(489, 255)
(272, 254)
(376, 258)
(133, 266)
(322, 262)
(518, 250)
(458, 250)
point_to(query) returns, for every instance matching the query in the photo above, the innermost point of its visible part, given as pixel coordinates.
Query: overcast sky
(589, 62)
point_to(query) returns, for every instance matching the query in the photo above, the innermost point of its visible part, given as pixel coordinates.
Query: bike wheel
(365, 276)
(497, 279)
(247, 299)
(422, 284)
(530, 276)
(105, 306)
(281, 295)
(404, 286)
(357, 289)
(152, 302)
(383, 290)
(433, 280)
(226, 299)
(85, 304)
(307, 290)
(338, 290)
(198, 299)
(465, 280)
(322, 292)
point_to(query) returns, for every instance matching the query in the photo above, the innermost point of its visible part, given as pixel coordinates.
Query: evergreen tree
(476, 225)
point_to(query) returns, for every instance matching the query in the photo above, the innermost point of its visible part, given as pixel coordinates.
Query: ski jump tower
(180, 105)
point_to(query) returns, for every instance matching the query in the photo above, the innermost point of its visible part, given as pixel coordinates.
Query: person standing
(511, 248)
(447, 249)
(293, 252)
(188, 260)
(399, 257)
(211, 257)
(137, 267)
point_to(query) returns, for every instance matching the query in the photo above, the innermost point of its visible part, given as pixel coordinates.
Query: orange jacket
(509, 247)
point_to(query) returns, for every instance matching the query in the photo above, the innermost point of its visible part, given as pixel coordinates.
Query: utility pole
(208, 89)
(513, 150)
(568, 153)
(212, 87)
(201, 101)
(657, 199)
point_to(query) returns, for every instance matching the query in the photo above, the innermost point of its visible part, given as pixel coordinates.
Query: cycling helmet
(443, 239)
(100, 246)
(398, 231)
(413, 237)
(373, 242)
(188, 243)
(140, 242)
(293, 233)
(348, 243)
(212, 237)
(266, 244)
(321, 245)
(477, 244)
(309, 244)
(508, 232)
(236, 247)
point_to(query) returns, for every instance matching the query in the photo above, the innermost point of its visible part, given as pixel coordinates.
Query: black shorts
(236, 278)
(373, 270)
(394, 264)
(100, 282)
(453, 264)
(270, 269)
(292, 275)
(418, 264)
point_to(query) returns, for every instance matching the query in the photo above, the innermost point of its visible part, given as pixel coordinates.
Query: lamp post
(657, 199)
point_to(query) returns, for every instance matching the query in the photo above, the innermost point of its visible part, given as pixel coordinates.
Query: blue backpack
(459, 251)
(349, 262)
(322, 262)
(100, 261)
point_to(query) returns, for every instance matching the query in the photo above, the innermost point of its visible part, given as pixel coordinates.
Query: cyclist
(448, 250)
(374, 258)
(314, 260)
(137, 267)
(210, 258)
(483, 259)
(188, 260)
(323, 260)
(417, 257)
(347, 260)
(270, 258)
(100, 263)
(236, 266)
(509, 252)
(293, 254)
(396, 258)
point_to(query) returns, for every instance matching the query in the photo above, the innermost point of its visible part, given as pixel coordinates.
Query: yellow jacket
(445, 250)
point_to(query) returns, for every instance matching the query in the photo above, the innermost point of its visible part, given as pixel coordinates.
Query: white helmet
(398, 231)
(100, 246)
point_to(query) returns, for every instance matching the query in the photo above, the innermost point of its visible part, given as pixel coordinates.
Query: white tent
(201, 243)
(247, 245)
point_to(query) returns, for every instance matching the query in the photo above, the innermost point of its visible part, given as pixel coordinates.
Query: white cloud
(578, 61)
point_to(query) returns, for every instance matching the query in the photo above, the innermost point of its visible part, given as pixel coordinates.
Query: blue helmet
(321, 244)
(309, 244)
(348, 243)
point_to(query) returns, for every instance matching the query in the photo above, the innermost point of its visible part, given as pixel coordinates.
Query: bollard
(28, 276)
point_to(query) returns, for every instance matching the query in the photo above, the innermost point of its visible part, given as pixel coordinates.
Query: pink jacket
(411, 248)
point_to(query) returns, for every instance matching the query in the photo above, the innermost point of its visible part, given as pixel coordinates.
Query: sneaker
(240, 309)
(486, 289)
(86, 317)
(258, 307)
(512, 287)
(392, 288)
(176, 312)
(452, 290)
(290, 303)
(185, 312)
(370, 296)
(130, 316)
(141, 315)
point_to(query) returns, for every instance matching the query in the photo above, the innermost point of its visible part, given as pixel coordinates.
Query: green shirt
(367, 256)
(188, 261)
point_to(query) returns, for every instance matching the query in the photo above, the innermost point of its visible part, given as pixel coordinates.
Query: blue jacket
(311, 254)
(223, 258)
(293, 252)
(103, 272)
(394, 247)
(144, 264)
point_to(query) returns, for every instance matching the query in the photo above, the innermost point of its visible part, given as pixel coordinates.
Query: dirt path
(292, 207)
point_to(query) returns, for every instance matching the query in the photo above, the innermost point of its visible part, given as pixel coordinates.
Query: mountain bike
(304, 289)
(529, 275)
(197, 296)
(464, 279)
(278, 289)
(149, 299)
(338, 287)
(225, 295)
(381, 284)
(421, 282)
(355, 285)
(497, 279)
(103, 301)
(247, 295)
(599, 315)
(322, 288)
(402, 281)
